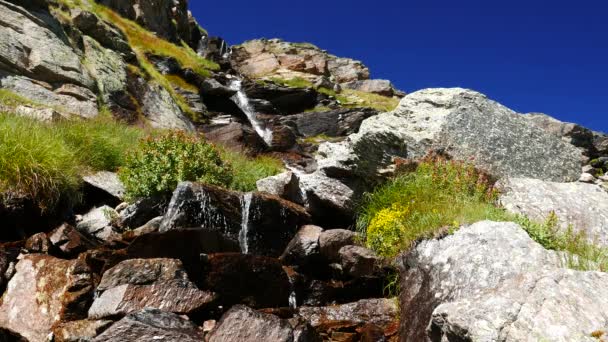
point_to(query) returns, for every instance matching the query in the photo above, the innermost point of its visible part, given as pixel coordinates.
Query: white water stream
(241, 100)
(245, 206)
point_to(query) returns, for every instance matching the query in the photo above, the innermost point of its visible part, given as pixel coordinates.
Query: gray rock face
(304, 247)
(335, 123)
(152, 325)
(574, 134)
(584, 206)
(107, 66)
(284, 185)
(107, 182)
(108, 36)
(529, 307)
(97, 223)
(142, 272)
(359, 261)
(162, 111)
(35, 46)
(463, 123)
(242, 324)
(380, 87)
(331, 241)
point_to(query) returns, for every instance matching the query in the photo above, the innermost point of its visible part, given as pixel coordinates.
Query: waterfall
(241, 100)
(293, 303)
(245, 206)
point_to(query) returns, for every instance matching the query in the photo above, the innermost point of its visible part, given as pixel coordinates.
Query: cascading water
(242, 101)
(245, 207)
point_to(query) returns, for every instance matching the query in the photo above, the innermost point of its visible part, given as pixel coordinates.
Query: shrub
(247, 171)
(438, 194)
(162, 162)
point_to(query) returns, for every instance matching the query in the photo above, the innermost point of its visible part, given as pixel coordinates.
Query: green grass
(319, 139)
(296, 82)
(45, 161)
(248, 170)
(355, 98)
(10, 99)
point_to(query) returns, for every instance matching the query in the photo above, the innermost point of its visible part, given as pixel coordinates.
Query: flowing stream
(241, 100)
(245, 206)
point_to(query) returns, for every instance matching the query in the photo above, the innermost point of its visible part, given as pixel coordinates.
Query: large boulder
(259, 223)
(582, 206)
(97, 224)
(334, 123)
(572, 133)
(152, 325)
(242, 324)
(44, 291)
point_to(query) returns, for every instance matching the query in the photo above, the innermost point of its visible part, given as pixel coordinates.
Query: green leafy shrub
(247, 171)
(162, 162)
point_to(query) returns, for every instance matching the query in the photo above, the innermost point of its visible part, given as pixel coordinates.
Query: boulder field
(284, 262)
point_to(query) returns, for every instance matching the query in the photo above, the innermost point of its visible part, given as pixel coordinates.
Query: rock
(381, 312)
(475, 259)
(151, 226)
(44, 291)
(142, 211)
(242, 324)
(11, 336)
(152, 325)
(283, 138)
(286, 100)
(142, 272)
(259, 282)
(584, 206)
(304, 332)
(303, 249)
(166, 18)
(330, 202)
(347, 70)
(38, 243)
(600, 143)
(284, 185)
(587, 178)
(259, 223)
(69, 240)
(97, 224)
(79, 331)
(180, 297)
(380, 87)
(212, 87)
(572, 133)
(331, 241)
(359, 261)
(108, 36)
(162, 111)
(335, 123)
(235, 136)
(8, 260)
(35, 46)
(36, 113)
(528, 307)
(105, 185)
(330, 292)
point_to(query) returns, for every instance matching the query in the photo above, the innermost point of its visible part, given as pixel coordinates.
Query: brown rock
(79, 331)
(303, 249)
(359, 261)
(142, 272)
(38, 243)
(330, 242)
(69, 240)
(242, 324)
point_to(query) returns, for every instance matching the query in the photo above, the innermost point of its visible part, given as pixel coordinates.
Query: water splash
(242, 101)
(293, 303)
(245, 207)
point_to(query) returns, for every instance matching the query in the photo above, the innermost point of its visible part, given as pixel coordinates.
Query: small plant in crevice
(248, 170)
(162, 162)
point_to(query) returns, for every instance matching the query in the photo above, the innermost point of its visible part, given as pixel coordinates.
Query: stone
(213, 87)
(79, 331)
(107, 35)
(475, 259)
(600, 143)
(242, 324)
(69, 240)
(381, 312)
(587, 178)
(108, 183)
(151, 226)
(528, 307)
(359, 261)
(380, 87)
(235, 136)
(180, 297)
(286, 100)
(97, 224)
(330, 201)
(284, 185)
(142, 272)
(574, 134)
(36, 113)
(44, 291)
(334, 123)
(256, 281)
(8, 260)
(161, 110)
(583, 206)
(303, 249)
(38, 243)
(259, 223)
(152, 325)
(332, 240)
(142, 211)
(347, 70)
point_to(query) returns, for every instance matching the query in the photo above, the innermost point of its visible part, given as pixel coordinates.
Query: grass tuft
(248, 170)
(296, 82)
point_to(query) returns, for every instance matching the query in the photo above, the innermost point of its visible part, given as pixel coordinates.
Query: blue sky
(532, 56)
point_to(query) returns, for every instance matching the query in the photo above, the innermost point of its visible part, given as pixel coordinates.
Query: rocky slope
(282, 263)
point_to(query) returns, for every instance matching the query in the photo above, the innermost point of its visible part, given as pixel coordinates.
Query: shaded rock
(43, 291)
(212, 87)
(256, 281)
(151, 325)
(329, 292)
(528, 307)
(79, 331)
(110, 37)
(97, 224)
(331, 241)
(600, 143)
(329, 200)
(304, 332)
(303, 249)
(584, 206)
(8, 260)
(10, 336)
(473, 260)
(69, 240)
(38, 243)
(283, 138)
(335, 123)
(380, 87)
(572, 133)
(285, 99)
(151, 226)
(142, 211)
(242, 324)
(284, 185)
(104, 186)
(142, 272)
(235, 136)
(359, 261)
(180, 297)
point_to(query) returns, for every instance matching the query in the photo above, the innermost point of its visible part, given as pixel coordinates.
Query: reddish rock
(69, 241)
(142, 272)
(78, 331)
(38, 243)
(242, 324)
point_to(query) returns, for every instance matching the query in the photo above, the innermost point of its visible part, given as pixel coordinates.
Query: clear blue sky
(536, 55)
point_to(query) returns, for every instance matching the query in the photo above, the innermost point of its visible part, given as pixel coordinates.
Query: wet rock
(97, 224)
(142, 211)
(38, 243)
(142, 272)
(284, 185)
(212, 87)
(180, 297)
(380, 87)
(79, 331)
(331, 241)
(358, 261)
(584, 206)
(103, 187)
(303, 249)
(43, 291)
(151, 325)
(335, 123)
(475, 259)
(256, 281)
(69, 240)
(242, 324)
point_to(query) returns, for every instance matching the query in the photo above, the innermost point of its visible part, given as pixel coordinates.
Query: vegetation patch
(248, 170)
(355, 98)
(12, 100)
(296, 82)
